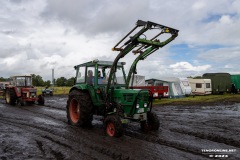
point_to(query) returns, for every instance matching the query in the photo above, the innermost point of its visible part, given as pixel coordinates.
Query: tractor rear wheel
(152, 123)
(113, 126)
(10, 96)
(79, 108)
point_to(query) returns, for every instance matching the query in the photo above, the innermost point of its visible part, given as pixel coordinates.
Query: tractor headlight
(137, 106)
(145, 105)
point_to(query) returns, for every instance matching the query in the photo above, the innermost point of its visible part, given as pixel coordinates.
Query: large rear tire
(79, 108)
(113, 126)
(152, 123)
(10, 97)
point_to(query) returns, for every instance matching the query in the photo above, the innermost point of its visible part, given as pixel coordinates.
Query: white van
(200, 86)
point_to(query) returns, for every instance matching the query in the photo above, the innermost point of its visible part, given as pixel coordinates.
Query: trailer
(221, 82)
(184, 83)
(158, 88)
(236, 81)
(200, 86)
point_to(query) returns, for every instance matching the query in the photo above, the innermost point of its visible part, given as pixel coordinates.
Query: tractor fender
(79, 87)
(17, 91)
(88, 89)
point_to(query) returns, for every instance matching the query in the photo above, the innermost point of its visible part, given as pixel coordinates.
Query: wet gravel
(186, 132)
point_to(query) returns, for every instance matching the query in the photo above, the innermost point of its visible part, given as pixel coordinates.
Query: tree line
(38, 81)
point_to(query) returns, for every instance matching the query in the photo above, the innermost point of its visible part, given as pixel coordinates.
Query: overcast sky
(38, 35)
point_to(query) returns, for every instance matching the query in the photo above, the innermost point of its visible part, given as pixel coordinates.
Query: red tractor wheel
(74, 110)
(111, 131)
(79, 108)
(113, 126)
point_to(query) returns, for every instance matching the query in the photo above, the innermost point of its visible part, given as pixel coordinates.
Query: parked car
(47, 92)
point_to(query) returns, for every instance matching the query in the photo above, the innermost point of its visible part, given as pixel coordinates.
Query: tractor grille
(144, 97)
(128, 97)
(32, 90)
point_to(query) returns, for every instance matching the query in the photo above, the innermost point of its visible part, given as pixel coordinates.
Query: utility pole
(53, 77)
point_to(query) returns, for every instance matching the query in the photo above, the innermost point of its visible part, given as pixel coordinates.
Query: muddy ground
(186, 132)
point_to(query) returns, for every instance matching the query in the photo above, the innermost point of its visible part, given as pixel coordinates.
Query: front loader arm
(128, 46)
(152, 47)
(147, 46)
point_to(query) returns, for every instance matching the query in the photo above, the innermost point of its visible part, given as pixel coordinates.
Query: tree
(70, 81)
(61, 81)
(37, 80)
(47, 83)
(2, 79)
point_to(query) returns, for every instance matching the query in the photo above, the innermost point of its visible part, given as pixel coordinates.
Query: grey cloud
(95, 17)
(228, 55)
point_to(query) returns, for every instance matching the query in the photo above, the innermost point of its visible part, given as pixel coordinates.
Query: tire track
(209, 136)
(85, 144)
(161, 141)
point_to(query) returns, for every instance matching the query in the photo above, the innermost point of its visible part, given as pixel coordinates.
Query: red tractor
(21, 91)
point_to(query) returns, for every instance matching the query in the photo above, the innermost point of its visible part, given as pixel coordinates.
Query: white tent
(138, 80)
(175, 89)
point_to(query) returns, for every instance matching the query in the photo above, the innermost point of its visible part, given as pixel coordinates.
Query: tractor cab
(21, 81)
(96, 73)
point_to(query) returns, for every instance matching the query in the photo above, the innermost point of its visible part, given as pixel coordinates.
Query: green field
(56, 90)
(195, 100)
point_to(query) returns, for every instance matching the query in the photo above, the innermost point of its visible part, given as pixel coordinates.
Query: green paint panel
(236, 80)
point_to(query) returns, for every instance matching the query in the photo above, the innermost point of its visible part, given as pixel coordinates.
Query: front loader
(102, 87)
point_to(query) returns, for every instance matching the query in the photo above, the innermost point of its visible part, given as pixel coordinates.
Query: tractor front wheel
(41, 100)
(79, 108)
(10, 96)
(113, 126)
(152, 123)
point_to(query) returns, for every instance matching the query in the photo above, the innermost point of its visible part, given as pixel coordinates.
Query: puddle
(59, 112)
(46, 121)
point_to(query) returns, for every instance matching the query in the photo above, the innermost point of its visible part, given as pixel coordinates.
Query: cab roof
(100, 63)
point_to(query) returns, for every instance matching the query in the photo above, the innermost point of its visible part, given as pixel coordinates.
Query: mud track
(42, 132)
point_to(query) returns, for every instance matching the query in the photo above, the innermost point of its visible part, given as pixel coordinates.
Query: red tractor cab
(21, 91)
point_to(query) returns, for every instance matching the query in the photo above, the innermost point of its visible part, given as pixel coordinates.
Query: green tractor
(102, 87)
